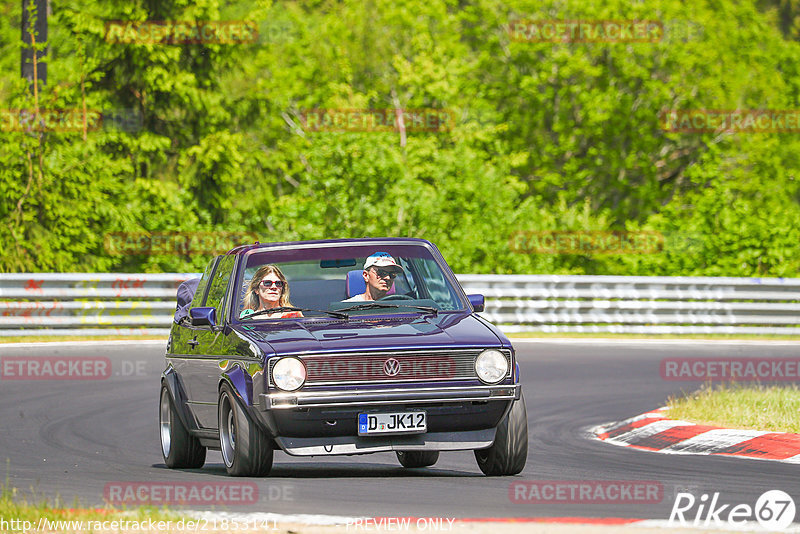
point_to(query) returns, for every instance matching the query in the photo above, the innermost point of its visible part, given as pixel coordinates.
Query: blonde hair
(252, 300)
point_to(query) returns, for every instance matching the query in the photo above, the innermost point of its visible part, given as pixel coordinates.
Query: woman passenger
(268, 289)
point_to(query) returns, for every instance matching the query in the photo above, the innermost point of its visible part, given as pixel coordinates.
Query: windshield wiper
(374, 305)
(282, 309)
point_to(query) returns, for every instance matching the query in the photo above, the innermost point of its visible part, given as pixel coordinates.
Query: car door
(206, 349)
(183, 339)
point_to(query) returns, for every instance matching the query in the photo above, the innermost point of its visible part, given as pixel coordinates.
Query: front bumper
(376, 397)
(431, 441)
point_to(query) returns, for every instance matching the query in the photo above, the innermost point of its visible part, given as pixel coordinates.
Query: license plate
(392, 423)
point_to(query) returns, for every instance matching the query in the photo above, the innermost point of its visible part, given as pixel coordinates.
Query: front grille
(378, 367)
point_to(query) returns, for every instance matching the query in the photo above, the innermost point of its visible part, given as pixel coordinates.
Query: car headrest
(355, 284)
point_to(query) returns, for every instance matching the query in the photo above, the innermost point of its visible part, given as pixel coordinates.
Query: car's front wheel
(178, 447)
(246, 450)
(509, 452)
(417, 458)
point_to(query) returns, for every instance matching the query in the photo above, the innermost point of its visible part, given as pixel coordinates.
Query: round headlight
(289, 374)
(491, 366)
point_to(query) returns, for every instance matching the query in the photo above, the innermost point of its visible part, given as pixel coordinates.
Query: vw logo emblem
(391, 367)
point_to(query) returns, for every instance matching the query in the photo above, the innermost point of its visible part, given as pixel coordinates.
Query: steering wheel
(397, 296)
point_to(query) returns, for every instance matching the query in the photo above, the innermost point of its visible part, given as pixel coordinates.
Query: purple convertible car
(343, 347)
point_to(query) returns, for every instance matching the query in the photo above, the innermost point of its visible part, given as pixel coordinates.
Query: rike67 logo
(774, 510)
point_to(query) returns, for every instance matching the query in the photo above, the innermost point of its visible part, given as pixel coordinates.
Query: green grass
(772, 408)
(15, 507)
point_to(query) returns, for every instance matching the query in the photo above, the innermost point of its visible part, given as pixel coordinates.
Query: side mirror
(203, 316)
(477, 302)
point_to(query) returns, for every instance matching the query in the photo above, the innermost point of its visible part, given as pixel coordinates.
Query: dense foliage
(562, 136)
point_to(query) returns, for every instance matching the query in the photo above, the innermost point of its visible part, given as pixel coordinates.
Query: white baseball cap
(381, 259)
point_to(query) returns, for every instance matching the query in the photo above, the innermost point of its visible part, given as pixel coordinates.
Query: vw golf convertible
(337, 347)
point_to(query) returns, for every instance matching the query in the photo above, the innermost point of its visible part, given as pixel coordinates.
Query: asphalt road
(70, 439)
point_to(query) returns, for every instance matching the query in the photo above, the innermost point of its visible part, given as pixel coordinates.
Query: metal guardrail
(143, 304)
(639, 304)
(86, 304)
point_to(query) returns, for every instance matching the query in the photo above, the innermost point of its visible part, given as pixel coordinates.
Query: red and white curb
(655, 431)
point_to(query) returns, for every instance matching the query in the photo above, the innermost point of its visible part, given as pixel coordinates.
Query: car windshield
(317, 280)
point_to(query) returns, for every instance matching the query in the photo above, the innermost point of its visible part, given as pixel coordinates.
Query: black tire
(508, 454)
(417, 458)
(178, 447)
(246, 450)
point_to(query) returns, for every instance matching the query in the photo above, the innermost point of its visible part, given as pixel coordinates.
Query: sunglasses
(268, 283)
(380, 273)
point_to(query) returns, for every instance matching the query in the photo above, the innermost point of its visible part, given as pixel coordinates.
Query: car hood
(373, 333)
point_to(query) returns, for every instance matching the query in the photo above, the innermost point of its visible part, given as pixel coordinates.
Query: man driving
(380, 270)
